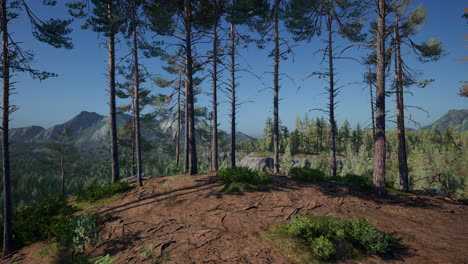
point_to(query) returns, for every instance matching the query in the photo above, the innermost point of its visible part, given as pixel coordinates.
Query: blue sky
(81, 84)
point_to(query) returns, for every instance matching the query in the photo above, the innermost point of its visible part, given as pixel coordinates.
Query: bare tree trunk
(133, 142)
(379, 145)
(7, 210)
(276, 89)
(331, 95)
(137, 103)
(372, 108)
(112, 114)
(189, 87)
(186, 136)
(214, 136)
(177, 146)
(233, 95)
(402, 158)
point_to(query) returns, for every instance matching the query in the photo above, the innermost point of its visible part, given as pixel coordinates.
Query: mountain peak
(459, 119)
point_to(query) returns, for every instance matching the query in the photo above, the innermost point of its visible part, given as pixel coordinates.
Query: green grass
(50, 250)
(307, 174)
(100, 192)
(238, 180)
(321, 239)
(85, 205)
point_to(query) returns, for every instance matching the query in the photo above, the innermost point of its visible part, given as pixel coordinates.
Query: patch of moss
(84, 205)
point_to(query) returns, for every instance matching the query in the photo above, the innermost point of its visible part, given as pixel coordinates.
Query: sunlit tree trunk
(379, 145)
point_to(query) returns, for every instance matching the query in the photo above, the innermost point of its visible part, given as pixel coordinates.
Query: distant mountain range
(89, 131)
(459, 119)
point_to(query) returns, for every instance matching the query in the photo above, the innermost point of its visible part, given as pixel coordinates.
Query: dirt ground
(194, 222)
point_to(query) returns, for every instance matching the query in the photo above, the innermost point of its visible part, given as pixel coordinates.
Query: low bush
(356, 180)
(35, 221)
(96, 193)
(243, 175)
(78, 232)
(307, 174)
(335, 238)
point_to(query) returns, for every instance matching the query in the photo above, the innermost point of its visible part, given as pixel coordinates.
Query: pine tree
(62, 154)
(106, 17)
(53, 32)
(404, 29)
(306, 20)
(379, 145)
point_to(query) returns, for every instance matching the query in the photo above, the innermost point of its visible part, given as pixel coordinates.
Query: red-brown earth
(195, 222)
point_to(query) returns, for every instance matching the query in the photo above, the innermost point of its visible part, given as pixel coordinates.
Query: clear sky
(82, 84)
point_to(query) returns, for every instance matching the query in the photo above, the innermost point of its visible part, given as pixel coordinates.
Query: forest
(64, 186)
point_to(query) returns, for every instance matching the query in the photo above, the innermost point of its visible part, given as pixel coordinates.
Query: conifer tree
(106, 17)
(62, 153)
(307, 19)
(404, 28)
(14, 59)
(379, 144)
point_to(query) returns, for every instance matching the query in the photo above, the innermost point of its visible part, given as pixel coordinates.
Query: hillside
(459, 118)
(90, 131)
(192, 221)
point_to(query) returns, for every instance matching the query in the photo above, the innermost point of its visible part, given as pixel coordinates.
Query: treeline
(436, 159)
(190, 23)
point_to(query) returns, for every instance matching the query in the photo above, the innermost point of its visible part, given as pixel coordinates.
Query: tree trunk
(233, 95)
(177, 146)
(186, 136)
(7, 210)
(331, 95)
(133, 142)
(402, 158)
(379, 145)
(372, 108)
(137, 103)
(214, 136)
(112, 114)
(276, 89)
(189, 88)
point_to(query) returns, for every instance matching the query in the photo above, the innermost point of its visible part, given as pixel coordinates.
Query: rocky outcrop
(256, 163)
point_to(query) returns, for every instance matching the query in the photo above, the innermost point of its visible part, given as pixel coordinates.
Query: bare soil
(192, 220)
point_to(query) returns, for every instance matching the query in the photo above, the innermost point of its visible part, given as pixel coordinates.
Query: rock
(256, 163)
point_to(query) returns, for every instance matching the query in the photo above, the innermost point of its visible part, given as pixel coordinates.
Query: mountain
(459, 118)
(25, 134)
(90, 133)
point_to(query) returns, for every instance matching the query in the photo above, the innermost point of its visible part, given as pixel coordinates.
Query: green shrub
(77, 232)
(244, 175)
(34, 222)
(356, 180)
(362, 233)
(332, 237)
(322, 248)
(307, 174)
(95, 193)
